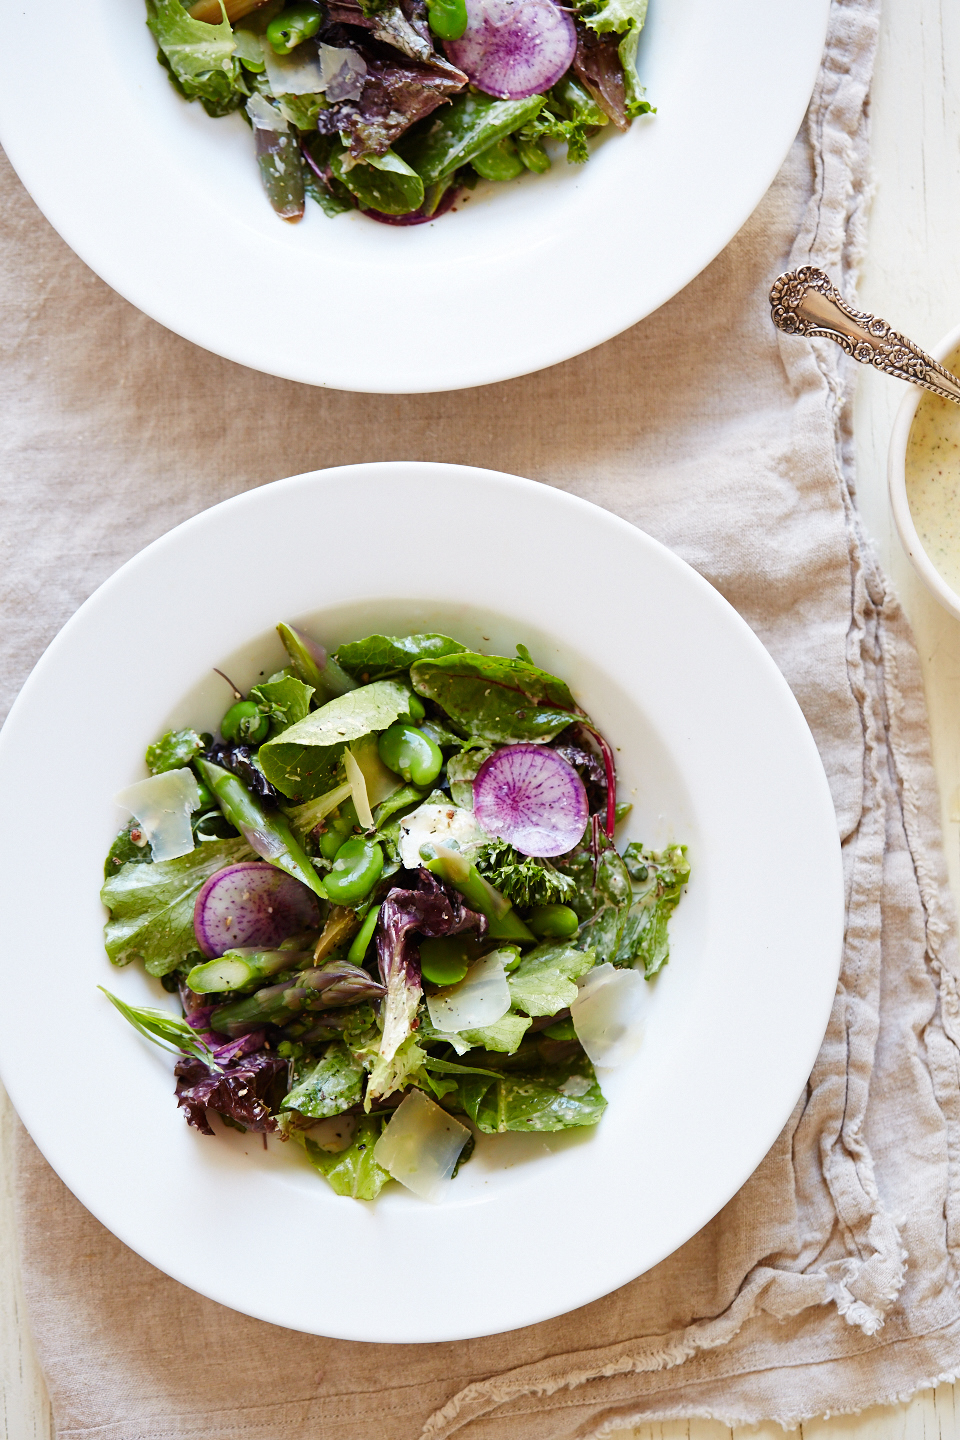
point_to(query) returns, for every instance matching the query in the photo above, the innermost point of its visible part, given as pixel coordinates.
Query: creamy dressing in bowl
(932, 476)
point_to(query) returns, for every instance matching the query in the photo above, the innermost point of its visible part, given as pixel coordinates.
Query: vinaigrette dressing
(933, 480)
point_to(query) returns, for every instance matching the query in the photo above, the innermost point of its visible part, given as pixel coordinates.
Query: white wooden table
(912, 279)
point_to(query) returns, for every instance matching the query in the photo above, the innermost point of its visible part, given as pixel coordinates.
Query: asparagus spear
(456, 870)
(336, 984)
(243, 966)
(268, 833)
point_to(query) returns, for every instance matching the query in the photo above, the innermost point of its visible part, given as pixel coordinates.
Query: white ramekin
(896, 479)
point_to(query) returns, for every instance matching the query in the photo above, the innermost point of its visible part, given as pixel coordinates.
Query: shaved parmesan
(358, 785)
(608, 1013)
(263, 116)
(437, 824)
(343, 73)
(298, 73)
(480, 998)
(381, 783)
(162, 807)
(421, 1145)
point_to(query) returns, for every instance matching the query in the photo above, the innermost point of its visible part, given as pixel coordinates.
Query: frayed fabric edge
(660, 1352)
(787, 1422)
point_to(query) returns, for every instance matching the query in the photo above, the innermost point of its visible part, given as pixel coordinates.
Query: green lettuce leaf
(601, 904)
(201, 57)
(302, 762)
(637, 104)
(303, 110)
(285, 699)
(504, 1035)
(661, 876)
(379, 656)
(470, 123)
(543, 982)
(556, 1097)
(353, 1172)
(403, 1068)
(462, 770)
(626, 18)
(124, 852)
(174, 750)
(329, 1087)
(495, 699)
(616, 15)
(443, 1076)
(151, 906)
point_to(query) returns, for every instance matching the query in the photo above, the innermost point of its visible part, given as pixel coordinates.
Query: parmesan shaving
(381, 783)
(608, 1014)
(358, 785)
(343, 73)
(263, 116)
(481, 998)
(298, 73)
(162, 807)
(420, 1146)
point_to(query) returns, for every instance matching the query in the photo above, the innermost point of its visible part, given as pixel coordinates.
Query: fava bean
(447, 960)
(553, 922)
(292, 26)
(448, 18)
(245, 723)
(339, 827)
(357, 866)
(408, 752)
(499, 161)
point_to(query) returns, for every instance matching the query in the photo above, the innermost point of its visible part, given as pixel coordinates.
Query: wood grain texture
(24, 1407)
(912, 278)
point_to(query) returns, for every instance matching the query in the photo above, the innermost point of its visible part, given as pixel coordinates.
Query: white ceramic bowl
(897, 484)
(166, 204)
(711, 747)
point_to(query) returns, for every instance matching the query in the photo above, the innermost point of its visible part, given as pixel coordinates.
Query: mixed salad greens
(389, 899)
(341, 94)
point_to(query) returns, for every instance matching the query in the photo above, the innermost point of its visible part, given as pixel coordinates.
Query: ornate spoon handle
(803, 302)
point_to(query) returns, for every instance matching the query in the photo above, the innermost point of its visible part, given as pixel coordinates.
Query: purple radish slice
(251, 904)
(531, 797)
(514, 48)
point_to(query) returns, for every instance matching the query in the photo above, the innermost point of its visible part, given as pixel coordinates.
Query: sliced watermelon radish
(514, 48)
(251, 904)
(529, 796)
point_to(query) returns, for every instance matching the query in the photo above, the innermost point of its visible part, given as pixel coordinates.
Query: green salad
(389, 897)
(395, 107)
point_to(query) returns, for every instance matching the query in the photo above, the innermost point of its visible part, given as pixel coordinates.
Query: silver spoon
(804, 302)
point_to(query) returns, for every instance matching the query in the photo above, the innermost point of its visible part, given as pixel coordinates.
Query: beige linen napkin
(828, 1283)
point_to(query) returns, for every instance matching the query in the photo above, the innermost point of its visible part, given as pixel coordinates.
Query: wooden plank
(24, 1407)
